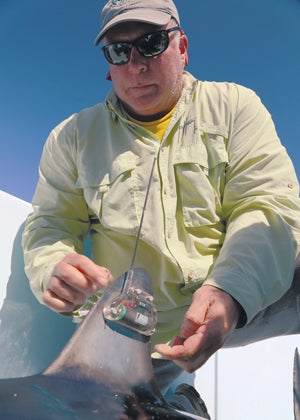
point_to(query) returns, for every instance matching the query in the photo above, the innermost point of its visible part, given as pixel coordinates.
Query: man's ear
(108, 76)
(183, 46)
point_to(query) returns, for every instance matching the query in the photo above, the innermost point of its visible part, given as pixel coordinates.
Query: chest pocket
(110, 195)
(200, 179)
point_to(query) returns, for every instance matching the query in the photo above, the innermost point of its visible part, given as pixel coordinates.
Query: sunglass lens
(118, 53)
(153, 44)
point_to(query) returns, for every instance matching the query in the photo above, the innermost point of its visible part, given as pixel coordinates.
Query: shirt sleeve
(261, 210)
(59, 222)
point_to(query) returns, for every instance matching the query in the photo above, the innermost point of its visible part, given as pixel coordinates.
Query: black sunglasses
(148, 45)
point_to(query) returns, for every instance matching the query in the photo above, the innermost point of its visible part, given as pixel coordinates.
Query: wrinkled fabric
(223, 206)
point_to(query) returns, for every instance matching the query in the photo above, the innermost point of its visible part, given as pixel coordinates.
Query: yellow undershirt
(157, 127)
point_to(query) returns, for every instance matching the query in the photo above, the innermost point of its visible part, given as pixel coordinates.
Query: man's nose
(137, 63)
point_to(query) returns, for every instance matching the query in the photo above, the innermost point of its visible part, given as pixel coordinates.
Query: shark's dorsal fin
(99, 350)
(104, 371)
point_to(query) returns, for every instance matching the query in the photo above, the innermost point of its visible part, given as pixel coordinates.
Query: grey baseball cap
(155, 12)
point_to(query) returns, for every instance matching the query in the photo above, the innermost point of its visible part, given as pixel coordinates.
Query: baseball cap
(155, 12)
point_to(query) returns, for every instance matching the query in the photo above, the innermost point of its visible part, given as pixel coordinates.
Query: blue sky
(51, 69)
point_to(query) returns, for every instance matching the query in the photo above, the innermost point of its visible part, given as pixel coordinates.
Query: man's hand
(208, 322)
(74, 279)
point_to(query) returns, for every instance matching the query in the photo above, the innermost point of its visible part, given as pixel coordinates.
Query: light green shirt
(223, 206)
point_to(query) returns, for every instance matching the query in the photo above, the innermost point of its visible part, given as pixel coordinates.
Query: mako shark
(103, 372)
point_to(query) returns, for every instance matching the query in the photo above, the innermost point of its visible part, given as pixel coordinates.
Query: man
(222, 220)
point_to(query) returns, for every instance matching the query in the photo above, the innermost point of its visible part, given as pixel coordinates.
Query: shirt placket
(169, 205)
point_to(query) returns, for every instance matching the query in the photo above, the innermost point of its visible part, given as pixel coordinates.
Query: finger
(183, 348)
(189, 354)
(65, 292)
(57, 304)
(191, 364)
(66, 276)
(101, 276)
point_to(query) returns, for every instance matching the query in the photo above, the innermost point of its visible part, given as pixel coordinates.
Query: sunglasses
(149, 45)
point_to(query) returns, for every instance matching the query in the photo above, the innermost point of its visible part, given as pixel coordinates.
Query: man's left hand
(212, 316)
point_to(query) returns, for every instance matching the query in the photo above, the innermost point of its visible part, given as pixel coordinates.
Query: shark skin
(103, 372)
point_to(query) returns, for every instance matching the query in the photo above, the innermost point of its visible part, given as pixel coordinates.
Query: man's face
(148, 87)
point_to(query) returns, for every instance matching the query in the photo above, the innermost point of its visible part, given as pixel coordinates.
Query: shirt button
(191, 274)
(165, 191)
(169, 234)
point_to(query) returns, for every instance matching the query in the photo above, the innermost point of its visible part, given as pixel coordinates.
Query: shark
(103, 372)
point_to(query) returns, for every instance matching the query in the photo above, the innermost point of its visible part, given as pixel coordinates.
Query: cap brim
(152, 17)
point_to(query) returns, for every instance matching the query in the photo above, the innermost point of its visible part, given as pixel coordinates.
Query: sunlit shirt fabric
(223, 207)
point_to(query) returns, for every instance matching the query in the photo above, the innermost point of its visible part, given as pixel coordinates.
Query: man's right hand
(72, 281)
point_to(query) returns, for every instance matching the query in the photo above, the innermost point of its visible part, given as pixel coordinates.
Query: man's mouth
(138, 89)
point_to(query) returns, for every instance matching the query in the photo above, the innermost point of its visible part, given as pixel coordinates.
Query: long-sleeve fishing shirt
(223, 205)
